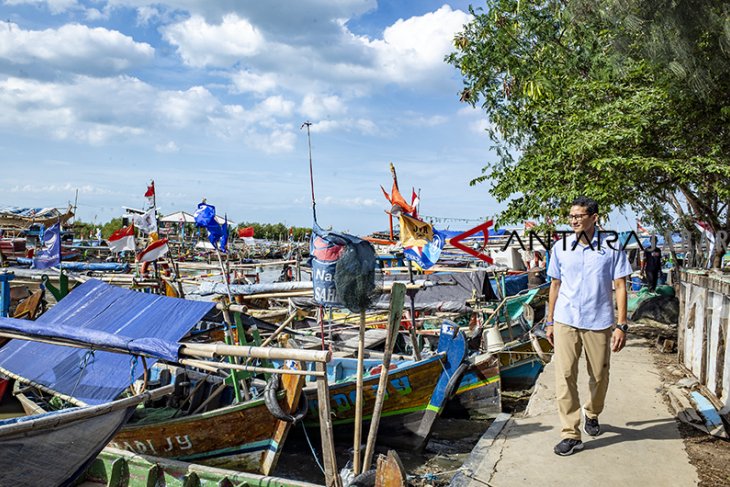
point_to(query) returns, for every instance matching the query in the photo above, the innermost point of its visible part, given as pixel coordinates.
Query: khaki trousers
(569, 343)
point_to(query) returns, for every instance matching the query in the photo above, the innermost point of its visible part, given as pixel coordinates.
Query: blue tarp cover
(154, 347)
(98, 377)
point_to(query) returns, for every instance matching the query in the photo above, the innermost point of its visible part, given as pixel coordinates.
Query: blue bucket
(636, 283)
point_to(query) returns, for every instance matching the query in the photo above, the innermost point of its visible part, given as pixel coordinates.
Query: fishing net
(355, 276)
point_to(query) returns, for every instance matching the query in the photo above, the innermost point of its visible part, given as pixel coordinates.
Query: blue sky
(207, 98)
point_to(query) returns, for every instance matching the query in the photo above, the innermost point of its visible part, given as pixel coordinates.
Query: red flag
(245, 232)
(122, 239)
(150, 190)
(415, 200)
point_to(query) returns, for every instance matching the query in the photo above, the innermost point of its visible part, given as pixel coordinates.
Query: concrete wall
(704, 317)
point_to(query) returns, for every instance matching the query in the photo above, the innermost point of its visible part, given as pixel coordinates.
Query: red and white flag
(246, 234)
(415, 201)
(706, 230)
(154, 251)
(122, 239)
(150, 194)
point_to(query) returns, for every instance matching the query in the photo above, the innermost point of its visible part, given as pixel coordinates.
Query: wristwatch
(624, 327)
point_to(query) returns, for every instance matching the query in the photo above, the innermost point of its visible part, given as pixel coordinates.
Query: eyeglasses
(577, 217)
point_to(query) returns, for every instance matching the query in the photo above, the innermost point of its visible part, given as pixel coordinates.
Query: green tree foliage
(82, 230)
(111, 226)
(577, 106)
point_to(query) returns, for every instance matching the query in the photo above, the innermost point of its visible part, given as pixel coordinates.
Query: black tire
(272, 402)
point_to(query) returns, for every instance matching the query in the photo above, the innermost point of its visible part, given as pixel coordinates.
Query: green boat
(121, 468)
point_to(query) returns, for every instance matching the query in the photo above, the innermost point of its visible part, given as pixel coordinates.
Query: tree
(111, 226)
(575, 110)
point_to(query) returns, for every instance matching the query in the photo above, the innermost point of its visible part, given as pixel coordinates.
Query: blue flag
(205, 217)
(427, 255)
(49, 254)
(224, 238)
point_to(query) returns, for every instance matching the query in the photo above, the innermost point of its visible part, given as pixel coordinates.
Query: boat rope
(314, 452)
(84, 362)
(132, 367)
(320, 319)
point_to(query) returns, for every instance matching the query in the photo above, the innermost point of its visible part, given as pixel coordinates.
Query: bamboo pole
(281, 327)
(237, 387)
(216, 366)
(357, 437)
(218, 349)
(232, 307)
(396, 310)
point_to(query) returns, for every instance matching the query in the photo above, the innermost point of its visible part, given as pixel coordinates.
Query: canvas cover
(97, 377)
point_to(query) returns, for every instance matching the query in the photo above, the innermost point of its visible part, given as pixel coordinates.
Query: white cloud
(317, 107)
(478, 121)
(168, 148)
(414, 49)
(54, 6)
(249, 82)
(325, 126)
(202, 44)
(185, 108)
(275, 107)
(58, 188)
(83, 111)
(357, 202)
(146, 15)
(361, 125)
(277, 141)
(424, 121)
(73, 47)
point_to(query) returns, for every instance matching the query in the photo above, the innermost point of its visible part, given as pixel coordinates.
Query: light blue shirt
(586, 276)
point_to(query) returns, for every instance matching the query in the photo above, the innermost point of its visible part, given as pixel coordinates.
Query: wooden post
(299, 266)
(357, 437)
(331, 474)
(414, 337)
(397, 297)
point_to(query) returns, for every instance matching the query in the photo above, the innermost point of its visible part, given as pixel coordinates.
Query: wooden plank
(332, 475)
(390, 471)
(396, 310)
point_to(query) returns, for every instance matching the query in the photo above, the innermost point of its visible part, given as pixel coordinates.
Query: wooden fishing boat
(416, 393)
(121, 468)
(55, 448)
(246, 433)
(244, 436)
(521, 363)
(479, 389)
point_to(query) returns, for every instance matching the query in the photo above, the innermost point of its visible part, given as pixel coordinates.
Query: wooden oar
(397, 297)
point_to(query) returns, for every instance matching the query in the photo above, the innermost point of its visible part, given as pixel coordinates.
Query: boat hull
(415, 396)
(479, 390)
(242, 436)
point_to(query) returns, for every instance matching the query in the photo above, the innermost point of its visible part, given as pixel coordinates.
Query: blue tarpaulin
(98, 377)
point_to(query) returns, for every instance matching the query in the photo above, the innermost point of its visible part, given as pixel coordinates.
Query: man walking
(651, 264)
(584, 269)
